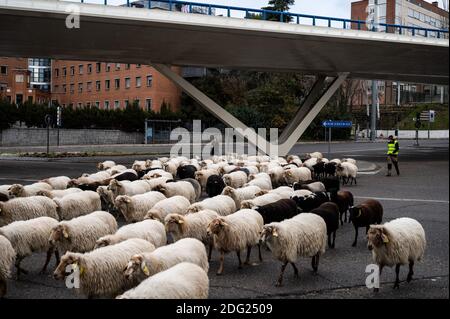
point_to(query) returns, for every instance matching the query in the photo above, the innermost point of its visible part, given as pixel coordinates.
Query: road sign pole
(329, 142)
(373, 113)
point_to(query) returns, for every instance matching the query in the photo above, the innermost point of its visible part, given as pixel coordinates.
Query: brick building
(111, 85)
(15, 82)
(414, 13)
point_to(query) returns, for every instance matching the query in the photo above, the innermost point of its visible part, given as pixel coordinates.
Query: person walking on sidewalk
(392, 153)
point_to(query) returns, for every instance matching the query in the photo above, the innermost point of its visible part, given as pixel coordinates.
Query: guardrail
(282, 16)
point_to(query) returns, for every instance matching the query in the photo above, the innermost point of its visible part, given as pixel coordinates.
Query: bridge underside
(161, 38)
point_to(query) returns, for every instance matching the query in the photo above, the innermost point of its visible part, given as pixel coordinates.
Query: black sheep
(319, 170)
(332, 183)
(3, 197)
(300, 185)
(344, 200)
(140, 174)
(126, 176)
(330, 169)
(363, 215)
(186, 171)
(214, 185)
(308, 203)
(330, 213)
(278, 211)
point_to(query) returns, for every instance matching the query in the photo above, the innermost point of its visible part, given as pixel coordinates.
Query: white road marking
(370, 173)
(18, 179)
(405, 199)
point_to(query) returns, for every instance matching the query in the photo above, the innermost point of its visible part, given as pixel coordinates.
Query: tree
(281, 6)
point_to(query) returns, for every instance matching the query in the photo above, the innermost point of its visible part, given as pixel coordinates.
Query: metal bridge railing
(297, 18)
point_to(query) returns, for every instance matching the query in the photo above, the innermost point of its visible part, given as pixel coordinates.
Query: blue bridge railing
(297, 18)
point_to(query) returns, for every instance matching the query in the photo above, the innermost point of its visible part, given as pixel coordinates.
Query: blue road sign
(336, 124)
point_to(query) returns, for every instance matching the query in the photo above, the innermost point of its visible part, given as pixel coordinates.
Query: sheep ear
(145, 268)
(384, 237)
(65, 232)
(274, 233)
(128, 200)
(180, 221)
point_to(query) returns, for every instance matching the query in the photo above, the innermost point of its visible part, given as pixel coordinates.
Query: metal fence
(282, 16)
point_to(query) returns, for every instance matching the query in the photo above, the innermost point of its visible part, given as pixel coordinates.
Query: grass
(441, 117)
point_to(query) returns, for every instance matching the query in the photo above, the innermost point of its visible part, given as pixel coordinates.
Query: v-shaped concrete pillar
(293, 131)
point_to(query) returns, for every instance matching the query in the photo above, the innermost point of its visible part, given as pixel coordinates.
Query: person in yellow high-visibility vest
(392, 153)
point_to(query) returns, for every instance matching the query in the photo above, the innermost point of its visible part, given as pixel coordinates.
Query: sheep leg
(334, 239)
(280, 277)
(316, 263)
(210, 251)
(329, 240)
(397, 273)
(19, 269)
(247, 260)
(356, 237)
(222, 257)
(259, 253)
(47, 260)
(295, 269)
(2, 288)
(341, 214)
(57, 257)
(411, 272)
(238, 253)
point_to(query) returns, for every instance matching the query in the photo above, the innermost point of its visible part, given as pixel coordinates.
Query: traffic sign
(337, 124)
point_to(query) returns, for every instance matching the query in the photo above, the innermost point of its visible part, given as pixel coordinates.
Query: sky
(330, 8)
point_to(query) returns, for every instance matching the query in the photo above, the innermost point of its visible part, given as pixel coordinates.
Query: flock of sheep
(293, 206)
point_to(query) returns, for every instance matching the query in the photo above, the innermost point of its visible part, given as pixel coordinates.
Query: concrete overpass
(133, 35)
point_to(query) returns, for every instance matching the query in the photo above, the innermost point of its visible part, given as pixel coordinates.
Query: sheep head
(16, 190)
(103, 241)
(59, 233)
(355, 212)
(63, 267)
(44, 193)
(194, 208)
(377, 236)
(100, 166)
(1, 207)
(136, 262)
(269, 233)
(228, 190)
(174, 223)
(216, 226)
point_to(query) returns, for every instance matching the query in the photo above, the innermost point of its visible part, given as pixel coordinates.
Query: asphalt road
(421, 192)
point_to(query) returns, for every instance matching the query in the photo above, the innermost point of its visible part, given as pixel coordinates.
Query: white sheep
(59, 182)
(139, 166)
(222, 204)
(7, 259)
(241, 194)
(182, 281)
(262, 180)
(297, 174)
(100, 271)
(106, 198)
(172, 205)
(87, 179)
(79, 235)
(77, 204)
(398, 242)
(129, 188)
(157, 173)
(58, 192)
(226, 169)
(105, 165)
(314, 155)
(28, 237)
(117, 169)
(182, 188)
(155, 182)
(349, 160)
(202, 176)
(146, 265)
(18, 190)
(134, 208)
(301, 193)
(235, 179)
(24, 208)
(347, 171)
(276, 175)
(191, 225)
(236, 232)
(261, 200)
(171, 166)
(304, 235)
(284, 191)
(150, 230)
(309, 163)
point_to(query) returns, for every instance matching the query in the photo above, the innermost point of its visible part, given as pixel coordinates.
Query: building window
(97, 85)
(80, 69)
(56, 88)
(137, 102)
(138, 66)
(148, 104)
(89, 86)
(64, 71)
(56, 72)
(80, 87)
(107, 84)
(3, 69)
(80, 105)
(88, 104)
(108, 67)
(89, 68)
(127, 83)
(64, 88)
(72, 88)
(126, 103)
(116, 104)
(97, 104)
(117, 66)
(19, 78)
(138, 81)
(106, 105)
(98, 67)
(149, 80)
(117, 84)
(127, 66)
(72, 70)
